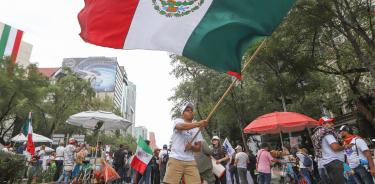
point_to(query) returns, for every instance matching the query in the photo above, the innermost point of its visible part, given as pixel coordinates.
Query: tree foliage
(50, 101)
(319, 59)
(20, 91)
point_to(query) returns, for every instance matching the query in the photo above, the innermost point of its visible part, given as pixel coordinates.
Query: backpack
(165, 158)
(307, 162)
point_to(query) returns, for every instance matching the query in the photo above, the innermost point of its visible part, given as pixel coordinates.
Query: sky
(51, 26)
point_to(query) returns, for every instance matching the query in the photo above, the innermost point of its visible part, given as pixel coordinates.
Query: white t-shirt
(319, 161)
(180, 138)
(242, 159)
(351, 153)
(327, 153)
(162, 153)
(60, 153)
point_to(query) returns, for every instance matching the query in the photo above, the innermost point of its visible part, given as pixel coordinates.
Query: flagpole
(231, 86)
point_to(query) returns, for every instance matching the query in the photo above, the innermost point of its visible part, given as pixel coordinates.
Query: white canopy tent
(100, 120)
(36, 138)
(90, 119)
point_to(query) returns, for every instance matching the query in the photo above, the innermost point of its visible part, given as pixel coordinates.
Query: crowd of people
(338, 156)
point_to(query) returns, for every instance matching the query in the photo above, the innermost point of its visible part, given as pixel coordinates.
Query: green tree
(21, 90)
(67, 96)
(336, 38)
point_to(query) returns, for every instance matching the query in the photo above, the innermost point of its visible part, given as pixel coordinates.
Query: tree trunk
(243, 136)
(18, 123)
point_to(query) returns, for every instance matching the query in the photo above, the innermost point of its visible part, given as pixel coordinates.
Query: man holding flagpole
(181, 160)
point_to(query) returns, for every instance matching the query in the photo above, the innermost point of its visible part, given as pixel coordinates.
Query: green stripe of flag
(230, 27)
(4, 39)
(142, 144)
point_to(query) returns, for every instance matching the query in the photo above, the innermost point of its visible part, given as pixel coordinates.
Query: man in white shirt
(329, 151)
(181, 159)
(59, 160)
(164, 157)
(241, 160)
(358, 156)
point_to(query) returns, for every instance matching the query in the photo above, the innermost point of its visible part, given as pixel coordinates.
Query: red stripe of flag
(16, 46)
(138, 165)
(106, 22)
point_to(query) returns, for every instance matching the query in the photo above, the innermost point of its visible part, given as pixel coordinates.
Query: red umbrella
(280, 122)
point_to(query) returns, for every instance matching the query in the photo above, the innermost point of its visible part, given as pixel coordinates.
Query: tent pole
(281, 139)
(96, 149)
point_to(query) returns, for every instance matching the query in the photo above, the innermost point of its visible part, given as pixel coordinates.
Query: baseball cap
(186, 105)
(346, 129)
(165, 146)
(325, 119)
(238, 147)
(215, 138)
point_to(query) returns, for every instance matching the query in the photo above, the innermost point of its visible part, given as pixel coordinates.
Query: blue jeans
(324, 178)
(234, 174)
(264, 178)
(306, 174)
(242, 173)
(65, 177)
(362, 175)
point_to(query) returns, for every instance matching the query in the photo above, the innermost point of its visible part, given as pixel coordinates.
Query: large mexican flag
(215, 33)
(142, 156)
(10, 41)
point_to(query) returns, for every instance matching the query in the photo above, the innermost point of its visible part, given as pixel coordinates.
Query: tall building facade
(129, 105)
(140, 131)
(108, 79)
(152, 139)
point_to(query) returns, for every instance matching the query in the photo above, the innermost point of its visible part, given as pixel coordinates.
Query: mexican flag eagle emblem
(176, 8)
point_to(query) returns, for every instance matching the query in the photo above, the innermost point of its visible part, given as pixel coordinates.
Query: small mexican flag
(142, 156)
(27, 130)
(215, 33)
(10, 41)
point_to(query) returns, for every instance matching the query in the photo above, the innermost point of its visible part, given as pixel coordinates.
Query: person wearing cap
(181, 159)
(163, 156)
(328, 150)
(358, 156)
(69, 152)
(221, 156)
(241, 160)
(263, 166)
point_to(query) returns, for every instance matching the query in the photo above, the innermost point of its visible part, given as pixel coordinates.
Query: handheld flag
(228, 147)
(215, 33)
(30, 144)
(142, 156)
